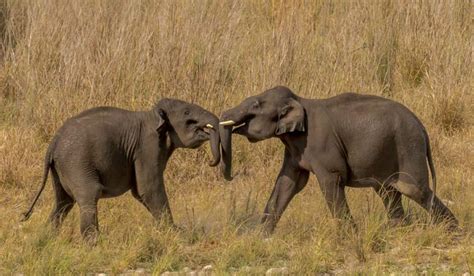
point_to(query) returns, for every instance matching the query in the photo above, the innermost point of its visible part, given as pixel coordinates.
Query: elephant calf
(348, 140)
(104, 152)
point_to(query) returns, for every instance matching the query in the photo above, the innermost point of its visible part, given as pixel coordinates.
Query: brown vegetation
(58, 58)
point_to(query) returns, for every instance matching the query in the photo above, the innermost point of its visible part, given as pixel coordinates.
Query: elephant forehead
(278, 92)
(177, 106)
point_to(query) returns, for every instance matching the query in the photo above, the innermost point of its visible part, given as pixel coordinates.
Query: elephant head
(272, 113)
(188, 125)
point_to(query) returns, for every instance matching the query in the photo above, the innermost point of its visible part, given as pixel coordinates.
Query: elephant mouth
(242, 129)
(205, 131)
(201, 137)
(239, 129)
(202, 134)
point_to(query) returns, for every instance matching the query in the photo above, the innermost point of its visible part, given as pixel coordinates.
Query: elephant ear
(161, 119)
(290, 118)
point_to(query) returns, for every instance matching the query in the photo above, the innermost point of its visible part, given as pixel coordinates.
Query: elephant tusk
(210, 126)
(227, 123)
(241, 125)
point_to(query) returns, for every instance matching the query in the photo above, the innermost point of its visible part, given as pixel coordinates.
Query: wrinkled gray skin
(104, 152)
(348, 140)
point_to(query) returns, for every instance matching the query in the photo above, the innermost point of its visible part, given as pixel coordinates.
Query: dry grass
(60, 57)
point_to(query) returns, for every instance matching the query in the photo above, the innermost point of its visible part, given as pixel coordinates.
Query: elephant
(352, 140)
(103, 152)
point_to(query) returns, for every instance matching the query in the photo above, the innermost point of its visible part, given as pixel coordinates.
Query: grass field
(58, 58)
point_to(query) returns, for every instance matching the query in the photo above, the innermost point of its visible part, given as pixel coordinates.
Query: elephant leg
(64, 202)
(138, 198)
(333, 190)
(290, 181)
(419, 191)
(87, 198)
(150, 191)
(89, 222)
(392, 200)
(156, 202)
(150, 187)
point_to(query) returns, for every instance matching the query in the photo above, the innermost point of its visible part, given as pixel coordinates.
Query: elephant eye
(256, 104)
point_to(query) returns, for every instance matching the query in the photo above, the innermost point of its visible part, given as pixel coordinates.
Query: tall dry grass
(58, 58)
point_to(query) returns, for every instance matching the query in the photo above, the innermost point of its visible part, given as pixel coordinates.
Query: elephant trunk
(228, 120)
(215, 149)
(226, 143)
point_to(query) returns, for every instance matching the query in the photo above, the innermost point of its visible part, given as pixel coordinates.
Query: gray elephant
(104, 152)
(348, 140)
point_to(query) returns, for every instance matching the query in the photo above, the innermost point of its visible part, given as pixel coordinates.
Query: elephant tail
(48, 161)
(430, 163)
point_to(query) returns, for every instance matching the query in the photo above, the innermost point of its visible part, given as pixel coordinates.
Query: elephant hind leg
(392, 200)
(332, 186)
(63, 204)
(419, 191)
(87, 199)
(89, 222)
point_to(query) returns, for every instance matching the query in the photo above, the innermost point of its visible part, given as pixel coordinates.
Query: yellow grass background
(58, 58)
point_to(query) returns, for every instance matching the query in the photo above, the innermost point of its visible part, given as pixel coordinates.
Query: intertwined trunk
(215, 143)
(226, 142)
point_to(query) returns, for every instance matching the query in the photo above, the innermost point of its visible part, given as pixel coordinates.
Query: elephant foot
(267, 230)
(90, 234)
(164, 221)
(268, 225)
(344, 229)
(453, 227)
(398, 222)
(267, 240)
(458, 234)
(178, 228)
(91, 238)
(266, 235)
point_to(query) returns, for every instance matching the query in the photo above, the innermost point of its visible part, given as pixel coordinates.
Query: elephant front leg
(156, 201)
(150, 191)
(332, 187)
(290, 181)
